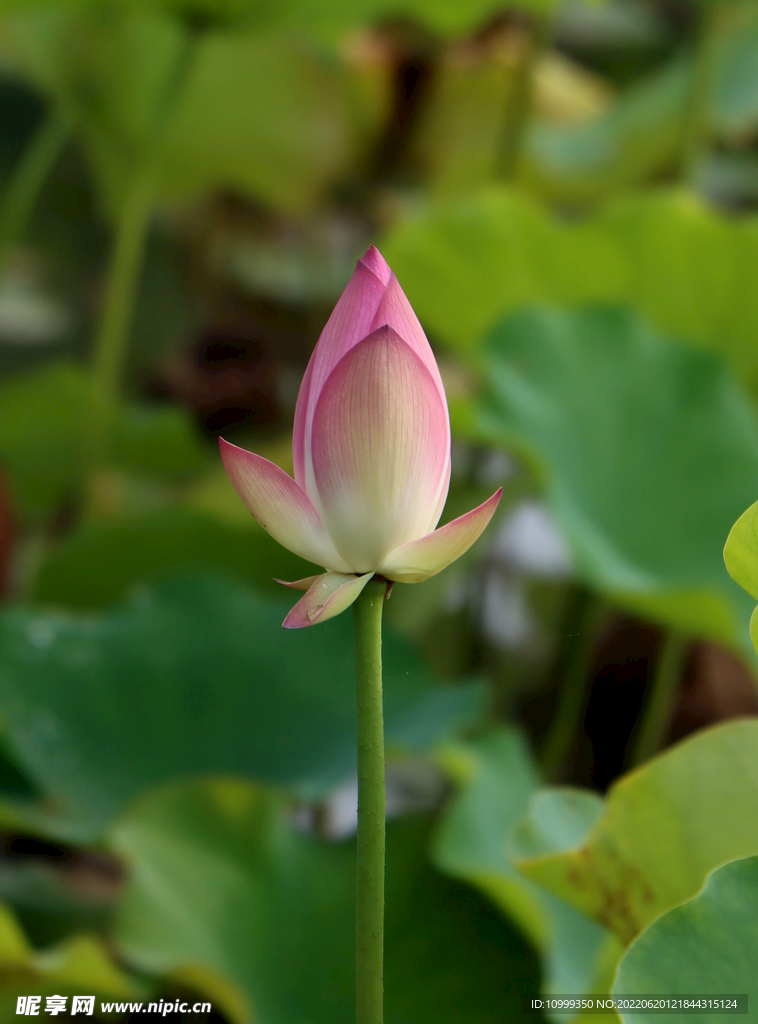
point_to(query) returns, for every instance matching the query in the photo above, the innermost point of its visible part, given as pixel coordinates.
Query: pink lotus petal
(304, 584)
(349, 323)
(420, 559)
(328, 595)
(396, 311)
(380, 449)
(281, 507)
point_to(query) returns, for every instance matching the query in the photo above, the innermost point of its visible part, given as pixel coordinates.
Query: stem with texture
(371, 812)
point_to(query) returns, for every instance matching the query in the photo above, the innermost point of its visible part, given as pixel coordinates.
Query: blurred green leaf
(215, 13)
(663, 828)
(640, 134)
(735, 99)
(464, 262)
(741, 558)
(286, 128)
(40, 430)
(196, 676)
(147, 89)
(78, 963)
(460, 135)
(160, 440)
(688, 272)
(445, 17)
(219, 879)
(649, 449)
(100, 561)
(558, 818)
(496, 779)
(41, 422)
(686, 267)
(708, 945)
(34, 37)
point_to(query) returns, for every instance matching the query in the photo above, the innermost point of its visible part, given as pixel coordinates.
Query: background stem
(659, 703)
(29, 175)
(123, 281)
(572, 698)
(521, 94)
(115, 324)
(697, 120)
(371, 813)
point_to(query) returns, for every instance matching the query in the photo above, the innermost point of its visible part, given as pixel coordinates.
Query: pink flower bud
(371, 452)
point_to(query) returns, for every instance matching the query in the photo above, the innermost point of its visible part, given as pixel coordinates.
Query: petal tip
(304, 584)
(376, 263)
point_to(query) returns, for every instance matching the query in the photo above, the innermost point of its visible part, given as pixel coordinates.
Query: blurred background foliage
(568, 193)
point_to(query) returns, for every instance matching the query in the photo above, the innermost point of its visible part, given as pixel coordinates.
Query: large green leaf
(663, 828)
(707, 946)
(466, 262)
(195, 677)
(220, 881)
(496, 778)
(649, 451)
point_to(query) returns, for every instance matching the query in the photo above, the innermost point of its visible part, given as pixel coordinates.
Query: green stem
(660, 701)
(30, 175)
(116, 319)
(369, 925)
(697, 120)
(520, 99)
(572, 698)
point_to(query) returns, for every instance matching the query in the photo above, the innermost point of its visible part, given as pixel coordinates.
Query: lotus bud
(371, 455)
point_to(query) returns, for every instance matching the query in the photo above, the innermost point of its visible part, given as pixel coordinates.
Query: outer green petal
(304, 584)
(328, 595)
